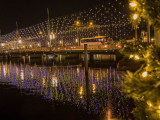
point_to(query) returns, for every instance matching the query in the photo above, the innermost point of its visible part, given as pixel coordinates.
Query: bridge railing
(60, 48)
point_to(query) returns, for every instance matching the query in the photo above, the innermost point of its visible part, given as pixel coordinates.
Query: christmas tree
(144, 86)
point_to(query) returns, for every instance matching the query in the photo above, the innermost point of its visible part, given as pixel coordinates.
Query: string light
(144, 74)
(104, 21)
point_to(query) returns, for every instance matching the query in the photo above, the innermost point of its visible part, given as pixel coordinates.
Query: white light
(144, 74)
(133, 4)
(131, 56)
(54, 81)
(135, 16)
(136, 57)
(20, 41)
(2, 44)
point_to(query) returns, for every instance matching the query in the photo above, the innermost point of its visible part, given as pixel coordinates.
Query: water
(65, 86)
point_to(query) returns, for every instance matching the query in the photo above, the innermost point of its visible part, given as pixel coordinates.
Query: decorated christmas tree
(144, 86)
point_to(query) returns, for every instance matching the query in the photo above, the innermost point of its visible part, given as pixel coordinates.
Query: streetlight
(135, 17)
(19, 41)
(90, 24)
(52, 36)
(40, 33)
(2, 44)
(133, 4)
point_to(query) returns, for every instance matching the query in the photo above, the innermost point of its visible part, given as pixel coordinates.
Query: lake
(58, 89)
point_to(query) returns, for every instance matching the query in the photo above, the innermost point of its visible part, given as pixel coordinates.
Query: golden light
(76, 40)
(131, 56)
(152, 39)
(77, 23)
(60, 42)
(40, 33)
(158, 107)
(133, 4)
(135, 16)
(81, 90)
(144, 74)
(149, 103)
(52, 36)
(91, 23)
(94, 88)
(30, 45)
(136, 57)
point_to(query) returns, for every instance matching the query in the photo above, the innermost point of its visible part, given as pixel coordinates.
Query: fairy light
(135, 16)
(144, 74)
(131, 56)
(113, 22)
(136, 57)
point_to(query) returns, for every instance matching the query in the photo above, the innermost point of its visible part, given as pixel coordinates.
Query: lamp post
(78, 25)
(135, 16)
(134, 4)
(19, 42)
(51, 37)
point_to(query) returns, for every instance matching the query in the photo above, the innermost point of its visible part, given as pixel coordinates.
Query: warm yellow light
(30, 45)
(152, 39)
(136, 57)
(93, 88)
(77, 23)
(76, 40)
(144, 74)
(91, 23)
(52, 36)
(159, 107)
(150, 105)
(131, 56)
(81, 90)
(133, 4)
(135, 16)
(40, 33)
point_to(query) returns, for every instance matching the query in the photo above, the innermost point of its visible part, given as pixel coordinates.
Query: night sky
(30, 12)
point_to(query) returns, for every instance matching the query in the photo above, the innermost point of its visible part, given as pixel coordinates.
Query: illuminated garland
(109, 18)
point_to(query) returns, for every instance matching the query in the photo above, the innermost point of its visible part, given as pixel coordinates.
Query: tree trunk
(157, 38)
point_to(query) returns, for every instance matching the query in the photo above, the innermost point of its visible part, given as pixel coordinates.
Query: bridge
(62, 34)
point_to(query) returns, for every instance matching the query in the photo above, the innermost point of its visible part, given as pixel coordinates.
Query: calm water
(66, 84)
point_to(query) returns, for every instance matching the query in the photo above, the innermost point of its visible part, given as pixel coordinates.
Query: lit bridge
(107, 19)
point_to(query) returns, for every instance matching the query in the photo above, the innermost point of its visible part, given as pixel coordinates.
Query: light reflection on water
(68, 84)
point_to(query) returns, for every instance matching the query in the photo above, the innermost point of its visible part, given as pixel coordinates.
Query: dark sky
(30, 12)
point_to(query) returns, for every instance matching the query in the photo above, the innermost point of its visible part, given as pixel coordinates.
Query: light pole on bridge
(50, 34)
